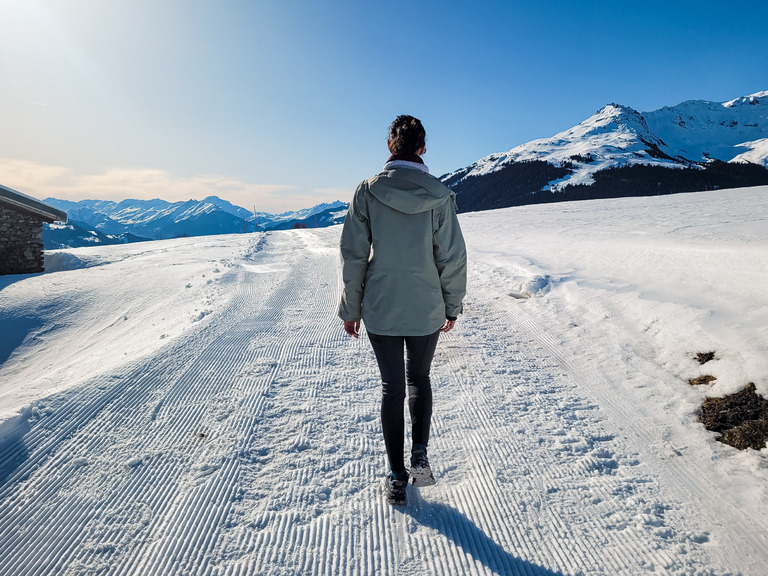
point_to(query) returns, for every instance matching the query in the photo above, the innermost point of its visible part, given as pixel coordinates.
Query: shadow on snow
(473, 541)
(13, 451)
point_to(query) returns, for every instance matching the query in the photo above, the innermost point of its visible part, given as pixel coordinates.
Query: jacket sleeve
(355, 252)
(451, 258)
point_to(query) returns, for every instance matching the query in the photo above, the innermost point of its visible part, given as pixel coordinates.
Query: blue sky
(285, 104)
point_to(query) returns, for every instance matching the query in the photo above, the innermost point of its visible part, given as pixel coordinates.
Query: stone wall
(21, 242)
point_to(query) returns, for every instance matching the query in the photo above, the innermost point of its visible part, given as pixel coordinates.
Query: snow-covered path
(249, 443)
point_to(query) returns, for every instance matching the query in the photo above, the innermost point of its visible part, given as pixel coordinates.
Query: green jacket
(404, 263)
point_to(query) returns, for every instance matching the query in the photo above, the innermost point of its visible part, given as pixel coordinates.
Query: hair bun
(406, 135)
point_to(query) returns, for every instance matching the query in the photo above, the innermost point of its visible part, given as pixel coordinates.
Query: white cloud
(43, 181)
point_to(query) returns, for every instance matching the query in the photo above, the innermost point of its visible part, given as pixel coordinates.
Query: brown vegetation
(742, 418)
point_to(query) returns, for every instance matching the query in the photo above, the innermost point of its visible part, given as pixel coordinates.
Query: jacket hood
(409, 191)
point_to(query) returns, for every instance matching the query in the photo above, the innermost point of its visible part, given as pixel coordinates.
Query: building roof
(17, 200)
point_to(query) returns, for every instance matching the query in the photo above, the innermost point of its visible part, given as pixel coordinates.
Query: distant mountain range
(618, 151)
(696, 145)
(103, 222)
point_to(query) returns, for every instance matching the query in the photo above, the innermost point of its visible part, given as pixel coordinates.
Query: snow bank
(59, 260)
(98, 308)
(684, 273)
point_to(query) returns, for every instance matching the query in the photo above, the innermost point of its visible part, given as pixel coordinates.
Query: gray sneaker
(421, 473)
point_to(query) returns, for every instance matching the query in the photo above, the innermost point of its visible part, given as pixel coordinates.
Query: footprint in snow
(135, 462)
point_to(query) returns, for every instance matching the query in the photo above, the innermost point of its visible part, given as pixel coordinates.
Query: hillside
(215, 419)
(618, 152)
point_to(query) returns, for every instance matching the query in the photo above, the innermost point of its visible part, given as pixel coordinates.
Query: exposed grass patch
(751, 434)
(741, 418)
(701, 380)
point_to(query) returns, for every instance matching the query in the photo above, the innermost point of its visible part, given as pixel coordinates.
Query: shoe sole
(422, 477)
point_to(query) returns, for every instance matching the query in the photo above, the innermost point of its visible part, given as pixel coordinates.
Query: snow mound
(56, 261)
(535, 286)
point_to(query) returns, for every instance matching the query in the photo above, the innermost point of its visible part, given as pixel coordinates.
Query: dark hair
(406, 135)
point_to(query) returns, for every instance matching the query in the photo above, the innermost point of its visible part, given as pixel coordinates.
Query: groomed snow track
(252, 446)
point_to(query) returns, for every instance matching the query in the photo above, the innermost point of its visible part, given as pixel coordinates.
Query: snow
(104, 306)
(615, 135)
(691, 132)
(192, 406)
(746, 99)
(697, 129)
(306, 213)
(156, 218)
(757, 152)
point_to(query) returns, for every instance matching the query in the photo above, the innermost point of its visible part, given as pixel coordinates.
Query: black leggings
(394, 372)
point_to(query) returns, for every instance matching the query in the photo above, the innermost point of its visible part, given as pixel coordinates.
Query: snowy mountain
(309, 212)
(157, 219)
(319, 216)
(734, 131)
(71, 235)
(696, 136)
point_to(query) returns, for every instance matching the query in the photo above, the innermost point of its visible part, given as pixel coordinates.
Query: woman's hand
(352, 328)
(448, 326)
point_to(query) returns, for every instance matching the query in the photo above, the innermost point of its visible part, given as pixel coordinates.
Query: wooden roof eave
(19, 201)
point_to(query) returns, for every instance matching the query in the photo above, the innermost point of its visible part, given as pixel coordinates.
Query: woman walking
(404, 267)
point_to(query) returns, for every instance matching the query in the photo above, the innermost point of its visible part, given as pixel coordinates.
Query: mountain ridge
(107, 221)
(693, 135)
